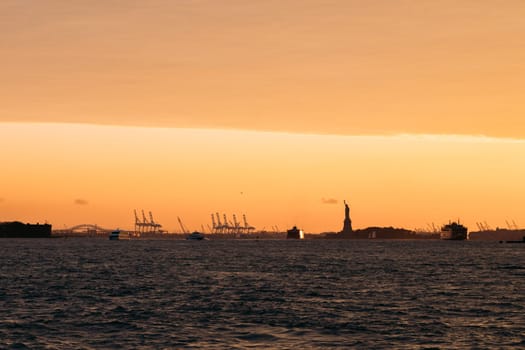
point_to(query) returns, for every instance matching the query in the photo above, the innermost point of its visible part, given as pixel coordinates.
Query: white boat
(196, 236)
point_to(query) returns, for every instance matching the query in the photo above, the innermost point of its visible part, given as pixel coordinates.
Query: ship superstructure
(454, 231)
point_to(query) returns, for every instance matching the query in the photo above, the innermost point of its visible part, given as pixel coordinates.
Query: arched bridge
(88, 227)
(85, 228)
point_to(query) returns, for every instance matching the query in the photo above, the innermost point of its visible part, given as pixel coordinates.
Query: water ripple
(91, 294)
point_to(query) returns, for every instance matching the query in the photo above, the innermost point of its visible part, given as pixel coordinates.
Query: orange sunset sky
(412, 111)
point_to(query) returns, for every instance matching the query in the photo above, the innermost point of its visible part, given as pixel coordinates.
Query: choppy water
(88, 293)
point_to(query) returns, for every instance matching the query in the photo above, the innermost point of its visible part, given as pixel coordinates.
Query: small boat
(115, 235)
(294, 233)
(196, 236)
(454, 231)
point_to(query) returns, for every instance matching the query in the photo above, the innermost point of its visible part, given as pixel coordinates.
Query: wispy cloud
(81, 201)
(329, 201)
(459, 138)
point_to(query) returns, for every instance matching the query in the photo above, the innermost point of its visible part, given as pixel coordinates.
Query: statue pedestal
(347, 227)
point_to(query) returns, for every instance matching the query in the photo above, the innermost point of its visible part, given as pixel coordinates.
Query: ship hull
(447, 236)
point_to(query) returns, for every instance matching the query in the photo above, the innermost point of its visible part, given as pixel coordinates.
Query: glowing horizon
(100, 174)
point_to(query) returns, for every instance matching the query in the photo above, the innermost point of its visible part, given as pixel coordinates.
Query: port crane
(483, 226)
(155, 227)
(512, 226)
(182, 227)
(236, 225)
(219, 228)
(247, 227)
(144, 220)
(214, 225)
(227, 226)
(138, 223)
(144, 225)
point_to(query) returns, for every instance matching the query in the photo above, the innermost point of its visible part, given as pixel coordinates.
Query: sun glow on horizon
(279, 110)
(69, 174)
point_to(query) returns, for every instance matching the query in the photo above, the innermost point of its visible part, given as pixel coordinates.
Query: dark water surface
(93, 294)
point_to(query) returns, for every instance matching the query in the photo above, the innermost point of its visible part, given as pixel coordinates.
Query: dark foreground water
(93, 294)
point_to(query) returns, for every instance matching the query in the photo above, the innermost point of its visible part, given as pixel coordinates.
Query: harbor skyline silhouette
(296, 174)
(284, 179)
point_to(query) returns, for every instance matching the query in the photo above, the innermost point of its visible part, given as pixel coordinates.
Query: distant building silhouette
(17, 229)
(347, 223)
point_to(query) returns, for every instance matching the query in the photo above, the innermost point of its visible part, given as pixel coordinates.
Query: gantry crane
(182, 227)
